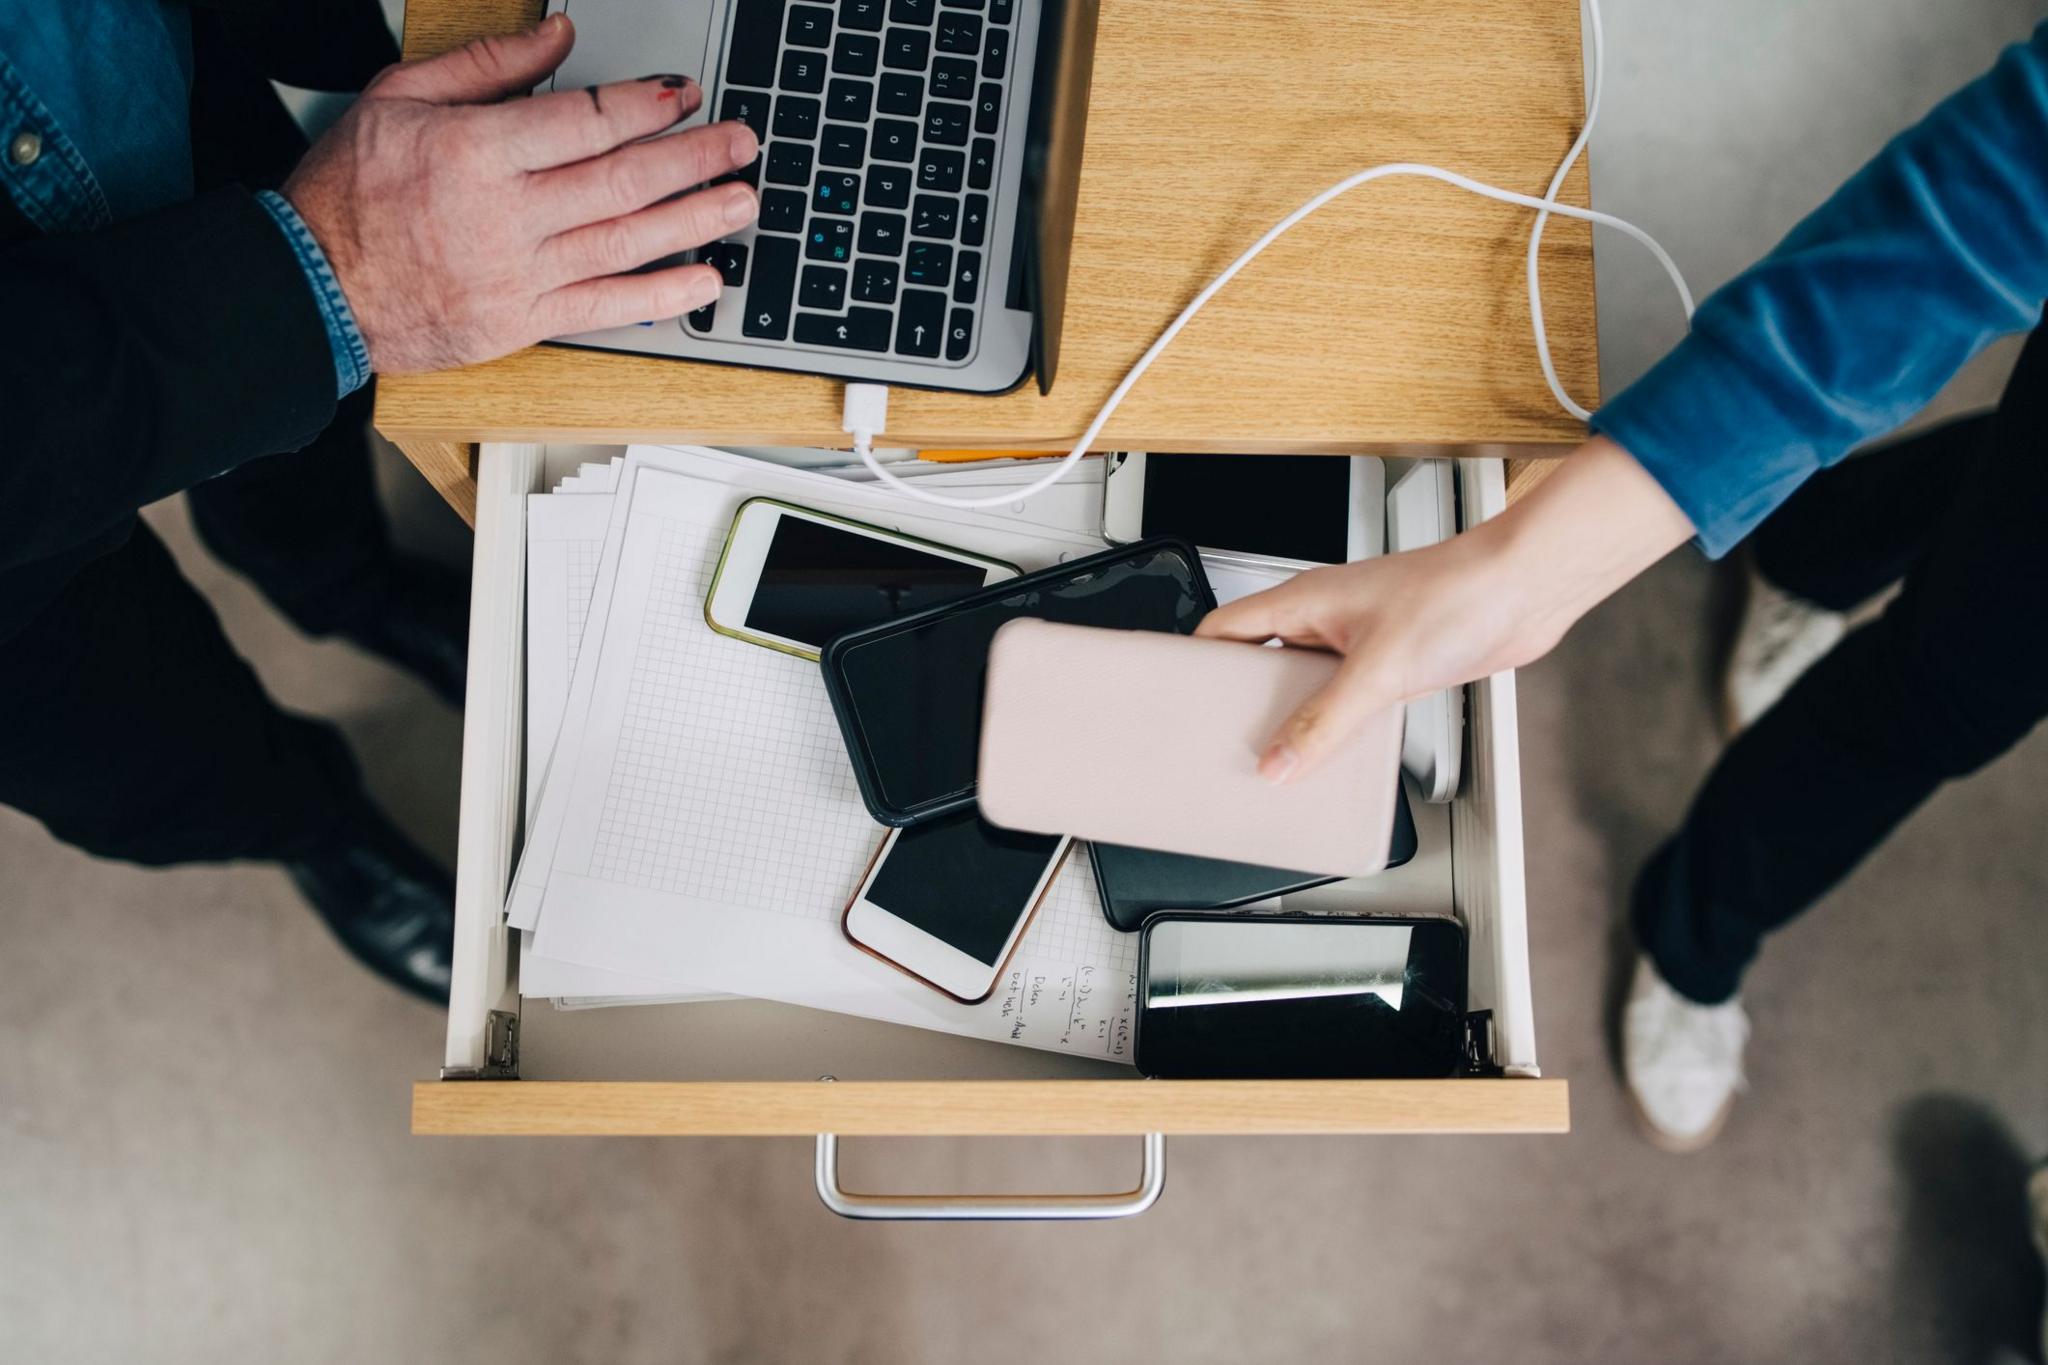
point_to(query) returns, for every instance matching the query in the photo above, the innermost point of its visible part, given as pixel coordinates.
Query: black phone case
(1137, 882)
(845, 706)
(1278, 1071)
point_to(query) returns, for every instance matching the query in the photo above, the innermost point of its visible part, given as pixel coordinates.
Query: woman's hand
(463, 225)
(1496, 597)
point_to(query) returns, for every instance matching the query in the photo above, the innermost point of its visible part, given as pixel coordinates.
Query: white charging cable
(867, 405)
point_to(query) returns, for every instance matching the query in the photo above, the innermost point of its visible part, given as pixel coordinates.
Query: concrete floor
(203, 1147)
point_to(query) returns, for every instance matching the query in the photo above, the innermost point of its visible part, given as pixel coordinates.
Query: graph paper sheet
(711, 832)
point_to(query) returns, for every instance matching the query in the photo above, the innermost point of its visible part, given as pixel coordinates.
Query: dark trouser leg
(1951, 676)
(135, 731)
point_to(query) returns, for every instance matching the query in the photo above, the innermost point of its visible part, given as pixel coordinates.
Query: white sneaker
(2037, 1196)
(1682, 1061)
(1781, 636)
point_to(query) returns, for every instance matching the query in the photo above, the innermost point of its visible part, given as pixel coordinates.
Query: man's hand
(462, 228)
(1497, 597)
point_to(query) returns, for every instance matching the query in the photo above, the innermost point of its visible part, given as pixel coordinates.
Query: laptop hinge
(501, 1052)
(1479, 1053)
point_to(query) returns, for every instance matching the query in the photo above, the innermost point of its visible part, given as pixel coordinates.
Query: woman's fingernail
(740, 207)
(745, 146)
(1279, 764)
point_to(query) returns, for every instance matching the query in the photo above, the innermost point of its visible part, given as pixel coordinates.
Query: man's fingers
(1321, 725)
(564, 126)
(627, 243)
(621, 300)
(634, 177)
(481, 71)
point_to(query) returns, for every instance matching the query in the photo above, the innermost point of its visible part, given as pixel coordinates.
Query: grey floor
(203, 1147)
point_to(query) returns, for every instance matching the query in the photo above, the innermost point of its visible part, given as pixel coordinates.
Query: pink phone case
(1153, 740)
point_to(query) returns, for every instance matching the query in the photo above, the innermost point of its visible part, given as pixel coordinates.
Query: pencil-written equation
(1074, 1007)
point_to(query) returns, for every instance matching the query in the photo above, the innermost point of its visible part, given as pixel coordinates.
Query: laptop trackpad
(617, 40)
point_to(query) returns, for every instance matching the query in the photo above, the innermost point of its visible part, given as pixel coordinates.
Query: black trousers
(1950, 676)
(132, 729)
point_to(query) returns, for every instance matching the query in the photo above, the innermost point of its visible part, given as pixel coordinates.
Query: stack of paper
(694, 827)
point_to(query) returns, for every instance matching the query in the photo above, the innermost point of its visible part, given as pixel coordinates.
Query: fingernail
(553, 23)
(740, 207)
(667, 78)
(1279, 764)
(704, 291)
(744, 145)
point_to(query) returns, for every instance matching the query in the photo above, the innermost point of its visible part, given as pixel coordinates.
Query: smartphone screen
(914, 694)
(1288, 506)
(820, 580)
(963, 881)
(1299, 999)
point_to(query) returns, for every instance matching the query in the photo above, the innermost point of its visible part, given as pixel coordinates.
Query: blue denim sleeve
(351, 352)
(1860, 315)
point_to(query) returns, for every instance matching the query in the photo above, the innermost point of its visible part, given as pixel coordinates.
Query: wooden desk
(1396, 319)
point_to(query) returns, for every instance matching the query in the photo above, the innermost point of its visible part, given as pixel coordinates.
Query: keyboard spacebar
(756, 32)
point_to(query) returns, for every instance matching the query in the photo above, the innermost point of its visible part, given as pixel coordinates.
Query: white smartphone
(947, 900)
(1422, 509)
(792, 579)
(1292, 509)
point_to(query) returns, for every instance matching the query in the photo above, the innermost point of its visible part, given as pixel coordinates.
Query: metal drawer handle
(1014, 1207)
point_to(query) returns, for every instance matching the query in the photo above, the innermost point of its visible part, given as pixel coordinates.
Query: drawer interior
(1468, 864)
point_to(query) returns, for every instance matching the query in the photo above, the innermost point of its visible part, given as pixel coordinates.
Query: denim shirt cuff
(344, 338)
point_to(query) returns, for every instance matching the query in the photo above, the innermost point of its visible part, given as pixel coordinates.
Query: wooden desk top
(1396, 317)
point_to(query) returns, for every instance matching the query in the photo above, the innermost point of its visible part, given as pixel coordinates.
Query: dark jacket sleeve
(145, 358)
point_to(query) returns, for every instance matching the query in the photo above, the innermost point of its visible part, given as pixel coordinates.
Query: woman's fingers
(621, 300)
(573, 125)
(1287, 612)
(622, 244)
(640, 174)
(1321, 725)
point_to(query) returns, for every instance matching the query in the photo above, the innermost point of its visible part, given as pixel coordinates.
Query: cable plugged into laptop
(867, 405)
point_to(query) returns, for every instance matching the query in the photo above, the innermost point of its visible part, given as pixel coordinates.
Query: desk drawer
(758, 1068)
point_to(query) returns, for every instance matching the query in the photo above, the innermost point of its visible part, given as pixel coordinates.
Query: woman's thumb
(1321, 725)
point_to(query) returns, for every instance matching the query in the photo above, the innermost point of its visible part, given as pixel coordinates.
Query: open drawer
(757, 1068)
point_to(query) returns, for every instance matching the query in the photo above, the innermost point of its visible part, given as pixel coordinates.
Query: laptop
(917, 179)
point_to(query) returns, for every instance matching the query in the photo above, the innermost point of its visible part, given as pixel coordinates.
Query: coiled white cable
(867, 404)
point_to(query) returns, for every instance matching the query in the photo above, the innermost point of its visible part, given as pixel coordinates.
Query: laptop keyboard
(879, 123)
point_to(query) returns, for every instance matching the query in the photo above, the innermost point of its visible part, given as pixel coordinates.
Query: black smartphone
(908, 692)
(1299, 997)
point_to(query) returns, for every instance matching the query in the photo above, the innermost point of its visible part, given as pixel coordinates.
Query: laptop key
(962, 4)
(842, 145)
(928, 263)
(749, 107)
(934, 216)
(782, 210)
(988, 107)
(960, 33)
(894, 140)
(920, 319)
(900, 94)
(789, 163)
(809, 26)
(888, 187)
(804, 71)
(756, 35)
(856, 54)
(881, 234)
(912, 11)
(829, 239)
(999, 11)
(939, 169)
(700, 319)
(946, 124)
(749, 173)
(824, 287)
(981, 163)
(731, 260)
(907, 49)
(796, 117)
(862, 329)
(967, 277)
(850, 100)
(874, 281)
(995, 54)
(959, 333)
(836, 193)
(974, 220)
(861, 14)
(952, 78)
(769, 292)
